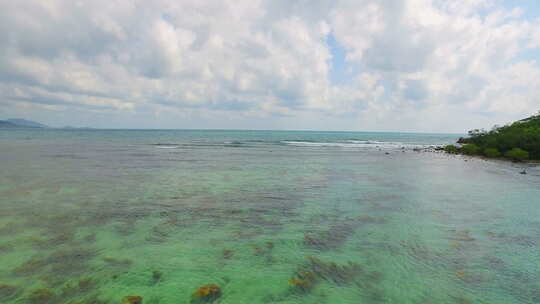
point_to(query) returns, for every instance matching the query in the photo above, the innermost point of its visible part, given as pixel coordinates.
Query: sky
(361, 65)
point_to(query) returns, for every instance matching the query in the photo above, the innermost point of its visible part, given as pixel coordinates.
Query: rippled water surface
(91, 216)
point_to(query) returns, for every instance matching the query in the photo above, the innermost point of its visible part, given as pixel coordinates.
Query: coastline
(439, 149)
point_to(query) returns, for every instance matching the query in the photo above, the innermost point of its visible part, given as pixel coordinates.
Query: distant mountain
(26, 123)
(20, 123)
(7, 124)
(77, 128)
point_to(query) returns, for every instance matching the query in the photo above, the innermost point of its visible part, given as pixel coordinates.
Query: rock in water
(523, 172)
(206, 294)
(132, 300)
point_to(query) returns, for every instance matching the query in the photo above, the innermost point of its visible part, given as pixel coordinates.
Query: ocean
(92, 216)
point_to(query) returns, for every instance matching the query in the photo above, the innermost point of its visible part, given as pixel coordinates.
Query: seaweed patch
(132, 300)
(157, 276)
(8, 292)
(227, 254)
(206, 294)
(332, 238)
(42, 296)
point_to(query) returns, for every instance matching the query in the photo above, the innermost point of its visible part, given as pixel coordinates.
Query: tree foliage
(492, 152)
(451, 149)
(470, 149)
(523, 135)
(517, 154)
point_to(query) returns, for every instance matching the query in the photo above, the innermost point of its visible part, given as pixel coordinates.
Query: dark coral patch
(8, 292)
(228, 254)
(334, 237)
(156, 276)
(132, 300)
(206, 294)
(42, 296)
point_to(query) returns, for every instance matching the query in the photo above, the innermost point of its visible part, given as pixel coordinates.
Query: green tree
(492, 152)
(470, 149)
(451, 149)
(517, 154)
(523, 134)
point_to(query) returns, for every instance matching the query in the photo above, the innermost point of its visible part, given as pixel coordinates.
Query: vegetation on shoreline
(518, 141)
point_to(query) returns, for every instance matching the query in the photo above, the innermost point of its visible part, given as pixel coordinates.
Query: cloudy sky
(373, 65)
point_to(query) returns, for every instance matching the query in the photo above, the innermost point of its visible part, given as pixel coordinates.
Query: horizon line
(213, 129)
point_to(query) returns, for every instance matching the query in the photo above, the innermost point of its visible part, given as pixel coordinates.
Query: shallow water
(271, 217)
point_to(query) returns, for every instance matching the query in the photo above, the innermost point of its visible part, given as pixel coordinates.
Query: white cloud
(420, 62)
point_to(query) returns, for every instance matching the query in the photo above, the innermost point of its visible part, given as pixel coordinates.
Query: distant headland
(519, 141)
(20, 123)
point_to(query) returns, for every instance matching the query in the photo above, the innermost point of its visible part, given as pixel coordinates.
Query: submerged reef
(117, 263)
(8, 292)
(469, 277)
(303, 281)
(463, 235)
(71, 261)
(338, 274)
(332, 238)
(132, 300)
(30, 267)
(125, 228)
(206, 294)
(338, 232)
(58, 265)
(122, 212)
(42, 296)
(228, 254)
(156, 276)
(57, 239)
(46, 296)
(160, 233)
(265, 251)
(5, 248)
(83, 286)
(306, 278)
(90, 238)
(93, 299)
(10, 228)
(315, 270)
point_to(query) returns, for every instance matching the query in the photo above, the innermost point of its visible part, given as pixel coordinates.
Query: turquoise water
(92, 216)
